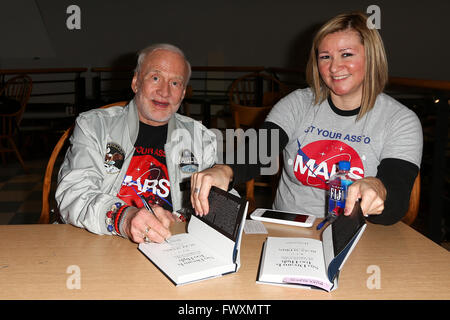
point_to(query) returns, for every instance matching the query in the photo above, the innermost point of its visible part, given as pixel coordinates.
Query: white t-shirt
(319, 138)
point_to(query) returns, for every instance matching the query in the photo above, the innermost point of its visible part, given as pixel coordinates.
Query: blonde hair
(376, 68)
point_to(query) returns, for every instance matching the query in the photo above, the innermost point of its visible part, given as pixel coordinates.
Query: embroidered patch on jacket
(188, 163)
(114, 158)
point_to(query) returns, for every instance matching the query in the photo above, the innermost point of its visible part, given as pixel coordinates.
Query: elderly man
(122, 172)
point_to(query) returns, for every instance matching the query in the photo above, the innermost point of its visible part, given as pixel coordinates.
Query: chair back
(18, 88)
(46, 187)
(414, 202)
(249, 117)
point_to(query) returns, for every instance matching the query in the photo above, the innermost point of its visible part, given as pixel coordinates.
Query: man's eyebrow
(149, 72)
(153, 70)
(179, 77)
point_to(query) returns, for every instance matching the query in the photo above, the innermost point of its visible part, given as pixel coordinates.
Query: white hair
(162, 46)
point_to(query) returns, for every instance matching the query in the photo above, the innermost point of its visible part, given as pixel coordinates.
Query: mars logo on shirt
(316, 162)
(146, 180)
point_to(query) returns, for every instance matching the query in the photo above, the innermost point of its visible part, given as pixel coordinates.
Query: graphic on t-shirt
(146, 179)
(316, 162)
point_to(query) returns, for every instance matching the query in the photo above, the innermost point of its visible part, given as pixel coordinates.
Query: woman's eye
(324, 57)
(347, 54)
(155, 78)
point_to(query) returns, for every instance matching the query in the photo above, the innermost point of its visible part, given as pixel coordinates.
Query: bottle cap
(344, 165)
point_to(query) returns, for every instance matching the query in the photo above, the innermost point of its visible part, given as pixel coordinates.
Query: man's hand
(201, 182)
(372, 193)
(140, 223)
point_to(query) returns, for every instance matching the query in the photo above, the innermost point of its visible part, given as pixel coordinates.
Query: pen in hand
(151, 211)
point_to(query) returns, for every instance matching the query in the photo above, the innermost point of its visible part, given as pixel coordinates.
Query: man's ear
(134, 83)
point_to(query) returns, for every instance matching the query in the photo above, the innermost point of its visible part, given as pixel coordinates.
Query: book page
(294, 260)
(211, 246)
(221, 228)
(328, 248)
(185, 259)
(216, 241)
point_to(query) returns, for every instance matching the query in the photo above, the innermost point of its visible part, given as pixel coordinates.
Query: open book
(311, 263)
(210, 248)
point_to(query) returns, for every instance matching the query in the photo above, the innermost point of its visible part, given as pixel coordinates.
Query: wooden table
(39, 261)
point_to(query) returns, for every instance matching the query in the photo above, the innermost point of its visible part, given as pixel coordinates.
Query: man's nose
(164, 90)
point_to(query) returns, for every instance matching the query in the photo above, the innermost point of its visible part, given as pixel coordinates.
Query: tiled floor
(21, 193)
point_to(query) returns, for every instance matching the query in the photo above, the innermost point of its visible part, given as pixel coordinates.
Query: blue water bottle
(337, 194)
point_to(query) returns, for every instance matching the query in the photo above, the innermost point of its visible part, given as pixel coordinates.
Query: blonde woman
(343, 115)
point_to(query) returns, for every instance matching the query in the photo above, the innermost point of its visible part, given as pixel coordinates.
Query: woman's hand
(372, 193)
(201, 182)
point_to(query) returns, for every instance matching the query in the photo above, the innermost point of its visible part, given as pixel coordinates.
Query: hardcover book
(311, 263)
(211, 246)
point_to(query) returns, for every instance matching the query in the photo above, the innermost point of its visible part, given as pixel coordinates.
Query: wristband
(117, 218)
(111, 216)
(121, 221)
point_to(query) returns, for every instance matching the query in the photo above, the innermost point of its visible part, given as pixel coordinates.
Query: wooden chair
(46, 187)
(251, 99)
(414, 202)
(18, 89)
